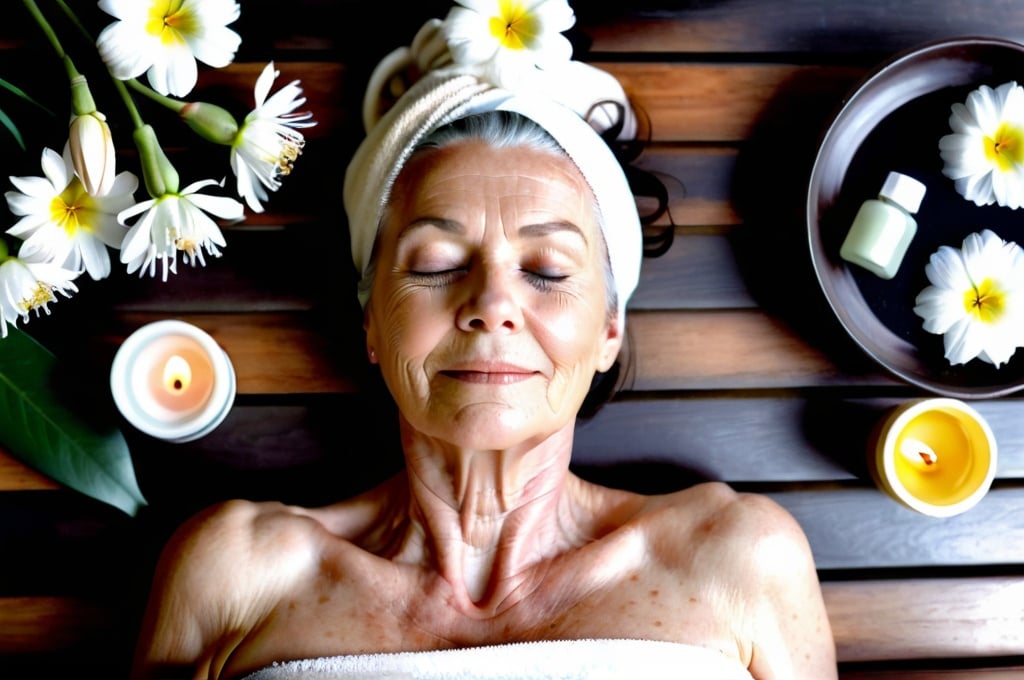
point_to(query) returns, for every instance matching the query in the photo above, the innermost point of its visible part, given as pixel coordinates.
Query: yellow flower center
(985, 301)
(168, 22)
(69, 210)
(1005, 149)
(514, 27)
(38, 297)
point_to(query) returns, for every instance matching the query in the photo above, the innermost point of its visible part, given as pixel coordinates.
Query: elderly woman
(499, 244)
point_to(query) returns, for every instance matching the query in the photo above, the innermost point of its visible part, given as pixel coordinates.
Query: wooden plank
(51, 624)
(862, 528)
(735, 349)
(17, 476)
(765, 439)
(926, 618)
(807, 27)
(728, 102)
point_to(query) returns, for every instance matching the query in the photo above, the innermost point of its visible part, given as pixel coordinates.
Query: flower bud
(210, 122)
(92, 152)
(159, 175)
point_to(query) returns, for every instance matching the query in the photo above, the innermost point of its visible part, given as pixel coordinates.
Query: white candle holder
(936, 456)
(172, 381)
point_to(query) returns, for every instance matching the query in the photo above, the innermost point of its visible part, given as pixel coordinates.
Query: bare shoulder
(755, 552)
(713, 511)
(204, 579)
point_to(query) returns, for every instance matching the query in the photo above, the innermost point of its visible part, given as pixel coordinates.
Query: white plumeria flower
(268, 143)
(63, 223)
(28, 285)
(984, 155)
(976, 299)
(509, 38)
(176, 222)
(164, 38)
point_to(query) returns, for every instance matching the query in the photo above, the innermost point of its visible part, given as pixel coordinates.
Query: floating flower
(175, 222)
(63, 223)
(976, 299)
(27, 285)
(164, 38)
(268, 143)
(984, 155)
(508, 37)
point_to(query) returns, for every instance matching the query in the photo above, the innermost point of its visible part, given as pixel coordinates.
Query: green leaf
(44, 433)
(12, 128)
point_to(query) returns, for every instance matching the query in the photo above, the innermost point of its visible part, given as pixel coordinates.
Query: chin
(485, 428)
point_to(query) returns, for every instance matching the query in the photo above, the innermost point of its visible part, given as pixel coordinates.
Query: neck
(486, 517)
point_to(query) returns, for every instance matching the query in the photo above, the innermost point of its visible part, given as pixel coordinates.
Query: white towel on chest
(561, 659)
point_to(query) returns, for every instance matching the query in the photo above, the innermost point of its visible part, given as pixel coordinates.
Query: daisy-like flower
(976, 299)
(509, 37)
(984, 155)
(175, 222)
(268, 142)
(27, 285)
(63, 223)
(164, 38)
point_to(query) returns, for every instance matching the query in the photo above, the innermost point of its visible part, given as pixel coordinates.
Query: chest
(412, 609)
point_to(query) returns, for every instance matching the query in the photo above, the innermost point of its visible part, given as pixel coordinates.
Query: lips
(490, 373)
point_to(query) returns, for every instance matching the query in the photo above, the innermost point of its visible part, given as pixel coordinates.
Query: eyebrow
(454, 227)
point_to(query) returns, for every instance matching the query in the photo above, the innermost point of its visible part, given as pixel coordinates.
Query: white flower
(165, 38)
(984, 155)
(976, 299)
(509, 37)
(175, 222)
(268, 142)
(63, 223)
(28, 285)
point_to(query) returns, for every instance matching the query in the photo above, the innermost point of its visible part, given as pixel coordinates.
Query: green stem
(51, 35)
(171, 103)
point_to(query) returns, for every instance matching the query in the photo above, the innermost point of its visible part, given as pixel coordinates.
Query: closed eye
(543, 280)
(438, 278)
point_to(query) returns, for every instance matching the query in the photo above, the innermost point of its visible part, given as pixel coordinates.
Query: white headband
(573, 103)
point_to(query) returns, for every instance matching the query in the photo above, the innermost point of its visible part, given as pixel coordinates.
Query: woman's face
(488, 312)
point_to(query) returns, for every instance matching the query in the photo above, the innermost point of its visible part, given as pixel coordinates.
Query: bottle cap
(904, 190)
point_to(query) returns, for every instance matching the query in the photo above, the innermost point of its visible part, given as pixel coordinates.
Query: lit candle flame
(177, 374)
(917, 452)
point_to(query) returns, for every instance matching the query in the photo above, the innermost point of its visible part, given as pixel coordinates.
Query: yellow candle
(937, 456)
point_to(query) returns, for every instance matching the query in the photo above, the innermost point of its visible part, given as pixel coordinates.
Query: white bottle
(884, 226)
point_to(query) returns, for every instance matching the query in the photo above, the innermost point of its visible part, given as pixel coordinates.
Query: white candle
(936, 456)
(172, 381)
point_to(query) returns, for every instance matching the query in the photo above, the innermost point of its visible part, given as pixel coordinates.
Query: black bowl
(893, 120)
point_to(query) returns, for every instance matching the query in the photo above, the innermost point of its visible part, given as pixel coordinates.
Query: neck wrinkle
(488, 517)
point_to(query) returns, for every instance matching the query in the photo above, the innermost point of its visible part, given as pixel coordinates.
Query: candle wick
(177, 386)
(914, 449)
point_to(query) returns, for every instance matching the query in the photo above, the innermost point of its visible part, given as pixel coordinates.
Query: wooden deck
(739, 370)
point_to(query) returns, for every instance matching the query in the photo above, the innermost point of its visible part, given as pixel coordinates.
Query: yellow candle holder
(935, 456)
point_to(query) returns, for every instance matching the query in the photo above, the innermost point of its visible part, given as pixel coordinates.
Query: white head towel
(572, 102)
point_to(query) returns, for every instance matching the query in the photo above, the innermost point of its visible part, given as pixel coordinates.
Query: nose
(490, 303)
